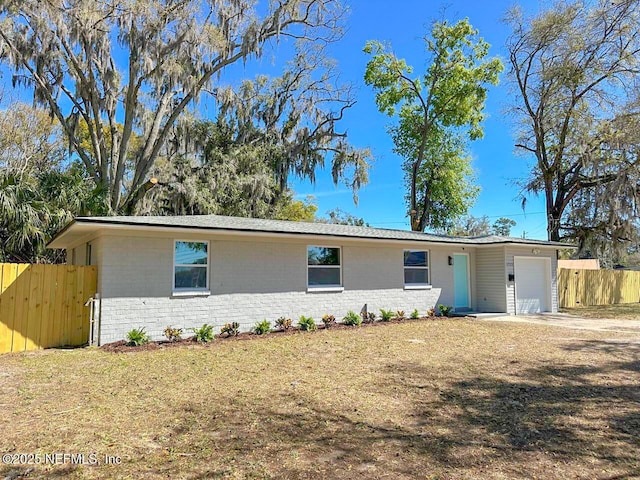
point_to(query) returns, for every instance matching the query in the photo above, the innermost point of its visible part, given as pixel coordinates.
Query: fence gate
(43, 306)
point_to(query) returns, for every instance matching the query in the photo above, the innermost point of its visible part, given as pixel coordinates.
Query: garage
(532, 284)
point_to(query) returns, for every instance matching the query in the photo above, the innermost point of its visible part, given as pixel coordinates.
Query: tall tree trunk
(553, 228)
(554, 214)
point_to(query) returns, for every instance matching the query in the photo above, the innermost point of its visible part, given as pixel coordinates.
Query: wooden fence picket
(597, 287)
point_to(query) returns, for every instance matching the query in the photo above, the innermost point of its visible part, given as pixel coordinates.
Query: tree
(437, 112)
(502, 226)
(36, 204)
(470, 226)
(266, 130)
(297, 210)
(603, 219)
(445, 188)
(291, 115)
(338, 216)
(167, 54)
(29, 140)
(216, 174)
(576, 69)
(40, 190)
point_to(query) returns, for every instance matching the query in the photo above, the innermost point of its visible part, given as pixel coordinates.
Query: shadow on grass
(555, 421)
(618, 348)
(15, 472)
(585, 414)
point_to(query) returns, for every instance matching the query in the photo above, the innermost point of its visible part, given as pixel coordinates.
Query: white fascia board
(94, 229)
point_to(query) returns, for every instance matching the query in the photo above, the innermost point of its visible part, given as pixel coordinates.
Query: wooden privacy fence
(43, 306)
(597, 287)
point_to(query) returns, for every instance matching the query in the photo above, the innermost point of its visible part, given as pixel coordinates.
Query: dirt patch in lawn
(441, 399)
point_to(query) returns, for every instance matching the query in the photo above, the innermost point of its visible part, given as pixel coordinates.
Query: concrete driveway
(571, 321)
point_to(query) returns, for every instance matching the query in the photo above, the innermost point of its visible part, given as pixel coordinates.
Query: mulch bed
(121, 346)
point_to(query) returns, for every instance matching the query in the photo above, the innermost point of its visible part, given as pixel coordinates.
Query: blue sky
(403, 24)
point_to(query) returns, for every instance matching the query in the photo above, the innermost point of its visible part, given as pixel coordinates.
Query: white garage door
(533, 279)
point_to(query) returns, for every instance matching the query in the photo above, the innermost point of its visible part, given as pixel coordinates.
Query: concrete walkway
(571, 321)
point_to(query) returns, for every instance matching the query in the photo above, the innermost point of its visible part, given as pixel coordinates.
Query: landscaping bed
(138, 340)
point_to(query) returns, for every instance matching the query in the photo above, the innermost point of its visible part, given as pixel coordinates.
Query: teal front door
(461, 281)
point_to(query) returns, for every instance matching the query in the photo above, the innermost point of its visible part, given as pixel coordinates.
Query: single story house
(184, 271)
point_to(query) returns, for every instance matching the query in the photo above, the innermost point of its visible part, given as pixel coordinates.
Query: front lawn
(622, 311)
(439, 399)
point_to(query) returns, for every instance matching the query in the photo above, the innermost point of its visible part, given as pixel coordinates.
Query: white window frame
(417, 286)
(324, 288)
(190, 291)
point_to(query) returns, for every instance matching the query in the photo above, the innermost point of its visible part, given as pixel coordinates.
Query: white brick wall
(254, 279)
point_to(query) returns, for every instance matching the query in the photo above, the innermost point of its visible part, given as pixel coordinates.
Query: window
(416, 268)
(191, 266)
(324, 267)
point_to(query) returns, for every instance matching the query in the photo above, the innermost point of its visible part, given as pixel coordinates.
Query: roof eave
(57, 242)
(59, 234)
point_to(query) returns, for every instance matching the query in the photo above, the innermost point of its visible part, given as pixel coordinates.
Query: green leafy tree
(575, 67)
(35, 206)
(70, 54)
(437, 112)
(297, 210)
(503, 226)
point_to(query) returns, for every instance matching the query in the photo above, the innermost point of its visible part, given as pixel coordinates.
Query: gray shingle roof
(240, 224)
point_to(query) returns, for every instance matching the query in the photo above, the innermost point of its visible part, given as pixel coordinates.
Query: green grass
(624, 311)
(445, 399)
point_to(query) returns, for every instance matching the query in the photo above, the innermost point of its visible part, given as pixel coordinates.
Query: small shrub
(230, 329)
(204, 334)
(173, 334)
(400, 314)
(368, 317)
(284, 323)
(262, 327)
(415, 315)
(386, 315)
(352, 318)
(445, 310)
(431, 312)
(137, 337)
(307, 323)
(328, 320)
